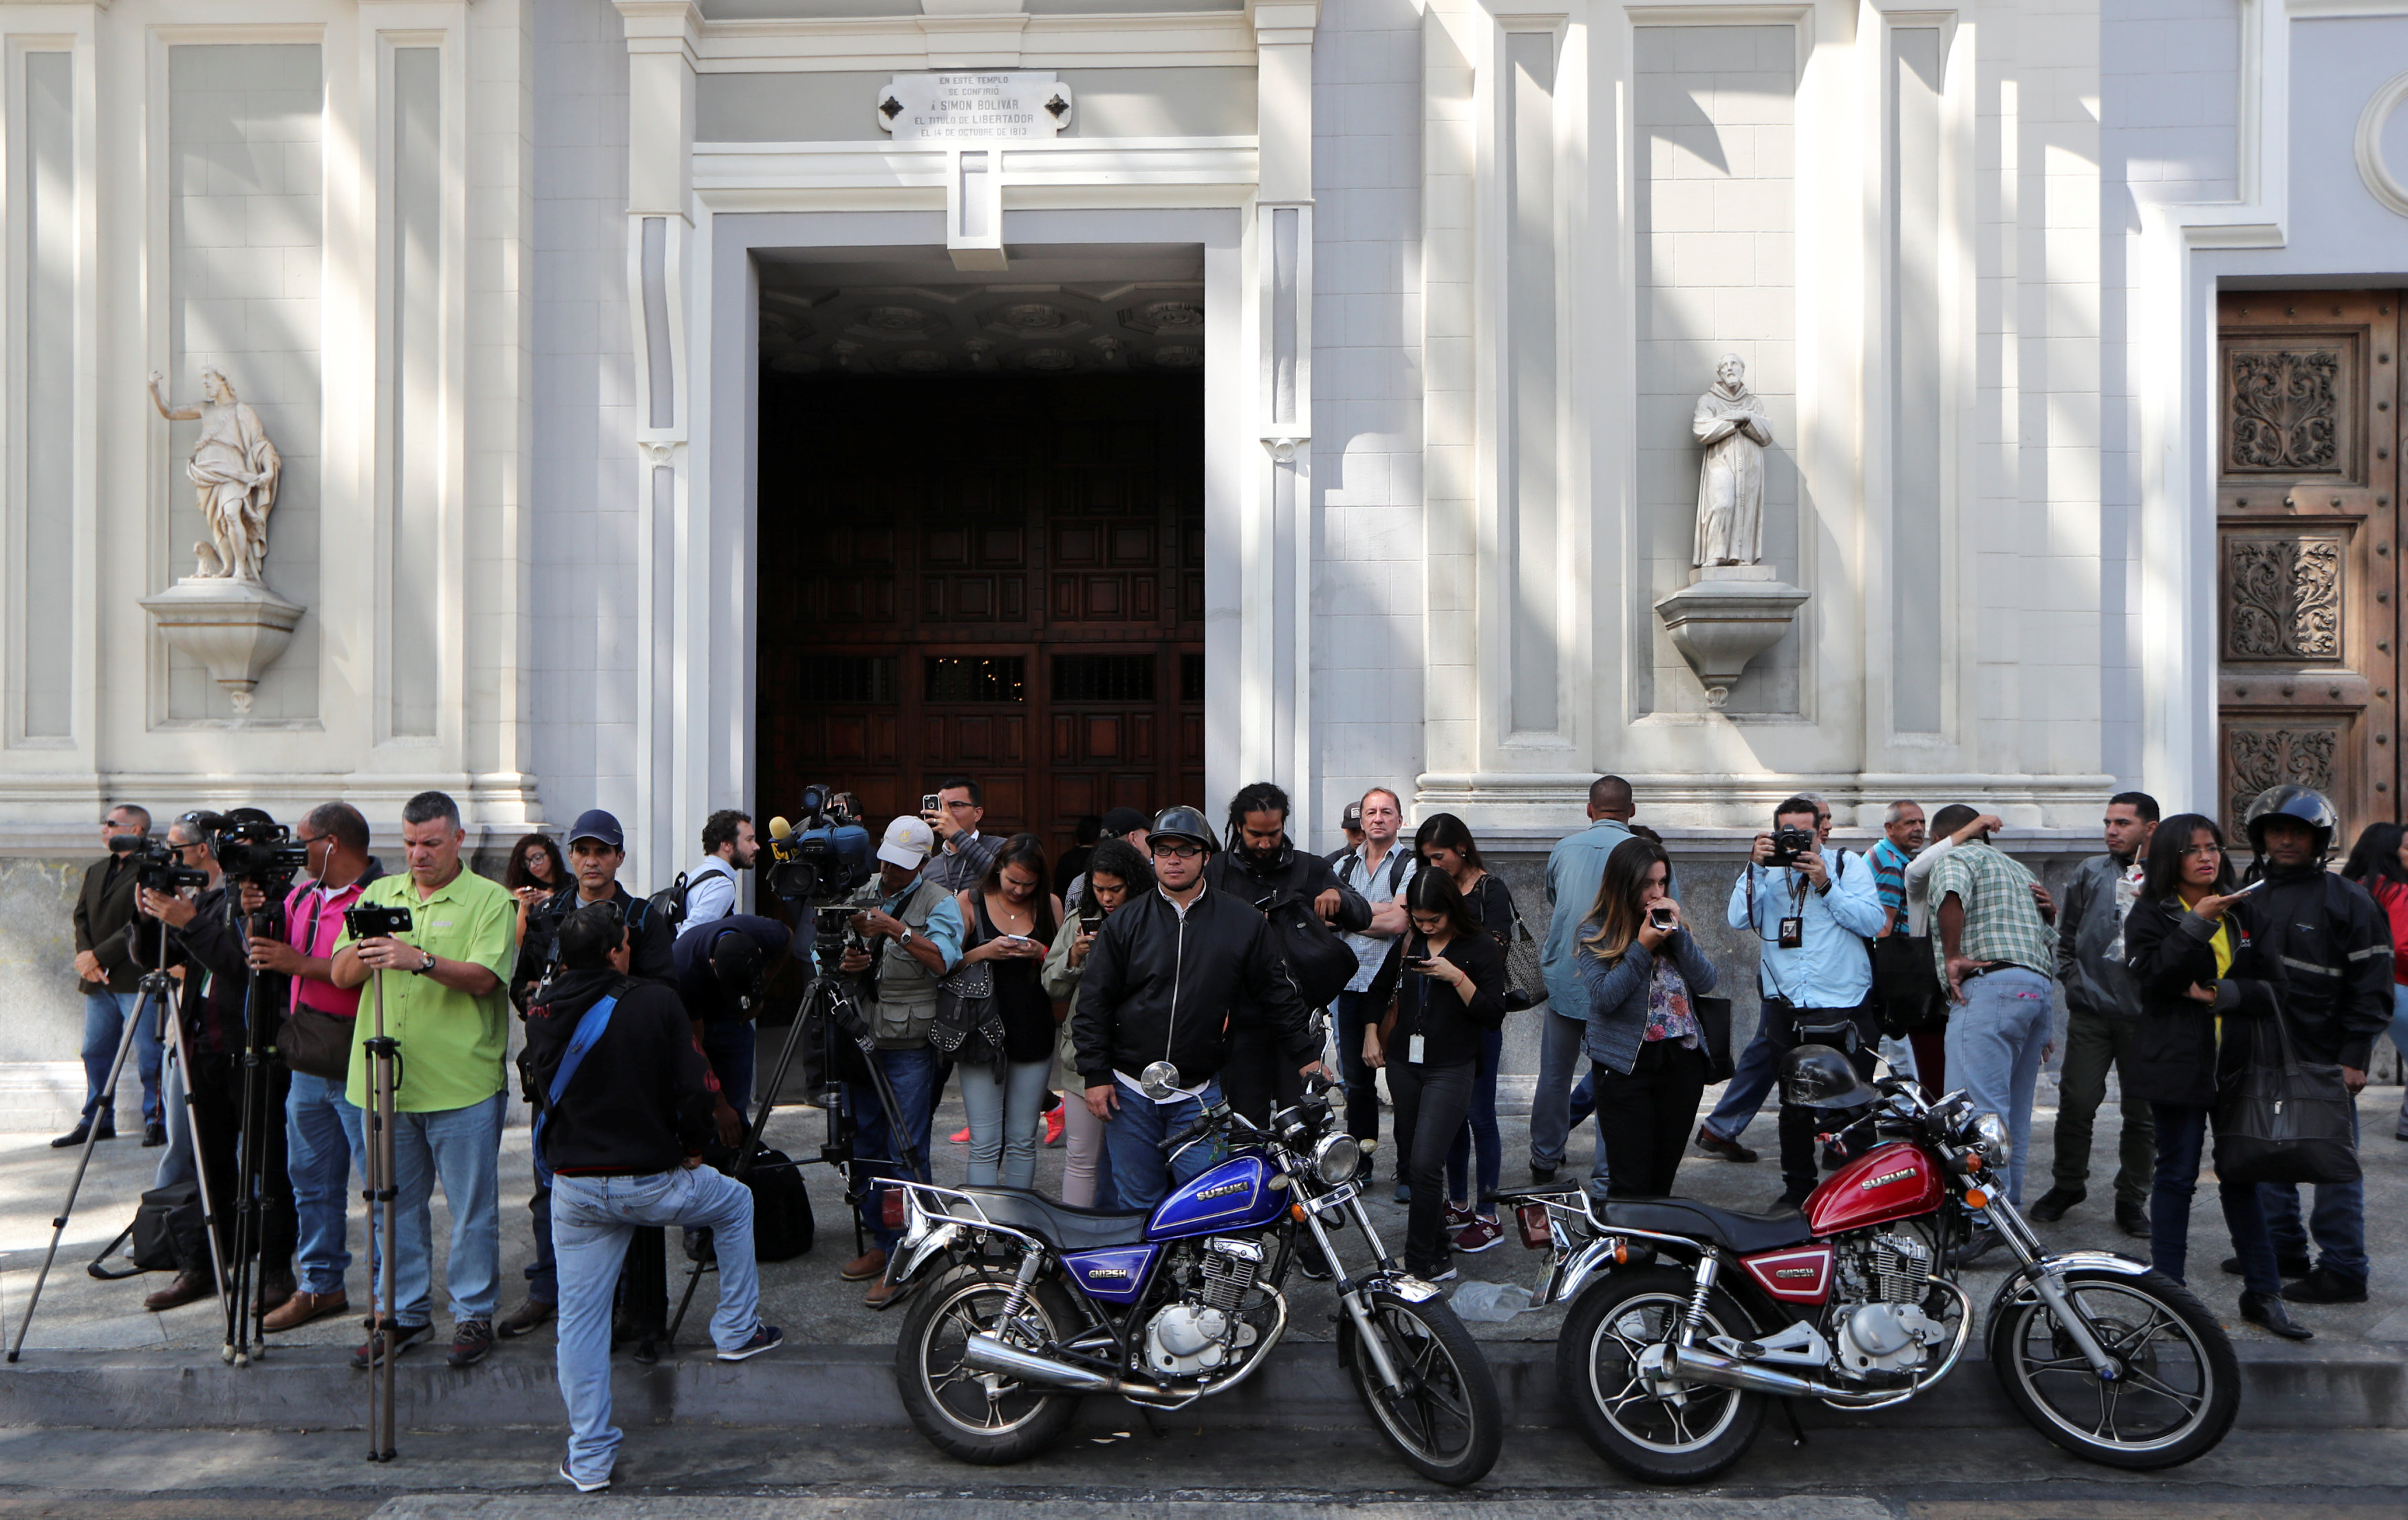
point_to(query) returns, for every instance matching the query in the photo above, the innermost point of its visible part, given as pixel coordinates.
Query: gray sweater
(1617, 994)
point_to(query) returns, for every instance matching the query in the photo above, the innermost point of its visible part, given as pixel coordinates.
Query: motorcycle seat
(1072, 1229)
(1744, 1233)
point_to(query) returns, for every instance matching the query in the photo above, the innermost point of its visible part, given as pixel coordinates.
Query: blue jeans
(1752, 1078)
(462, 1146)
(2338, 1221)
(1996, 1039)
(1133, 1138)
(1479, 1126)
(2182, 1136)
(1352, 1010)
(1555, 1110)
(1004, 1121)
(319, 1122)
(104, 1013)
(2399, 1041)
(730, 1046)
(914, 1074)
(591, 1220)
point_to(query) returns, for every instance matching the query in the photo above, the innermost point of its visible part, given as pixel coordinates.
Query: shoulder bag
(970, 1022)
(2288, 1123)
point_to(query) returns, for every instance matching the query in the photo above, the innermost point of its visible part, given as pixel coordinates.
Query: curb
(2282, 1388)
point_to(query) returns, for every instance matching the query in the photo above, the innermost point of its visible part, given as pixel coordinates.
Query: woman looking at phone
(1117, 872)
(2187, 941)
(1642, 967)
(1011, 918)
(535, 872)
(1451, 993)
(1445, 844)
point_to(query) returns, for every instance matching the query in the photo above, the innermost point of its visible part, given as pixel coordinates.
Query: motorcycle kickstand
(1153, 1427)
(1789, 1408)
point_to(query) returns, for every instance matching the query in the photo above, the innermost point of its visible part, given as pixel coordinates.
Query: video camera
(156, 865)
(825, 859)
(253, 848)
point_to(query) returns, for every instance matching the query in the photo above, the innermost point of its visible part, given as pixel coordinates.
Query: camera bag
(783, 1225)
(165, 1213)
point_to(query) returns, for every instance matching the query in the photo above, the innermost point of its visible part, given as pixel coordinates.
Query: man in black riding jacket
(1263, 867)
(1162, 982)
(2332, 948)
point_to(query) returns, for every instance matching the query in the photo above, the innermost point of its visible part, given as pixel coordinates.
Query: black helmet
(1184, 822)
(1818, 1076)
(2304, 804)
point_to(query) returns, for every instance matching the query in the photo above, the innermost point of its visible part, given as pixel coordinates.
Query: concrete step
(2285, 1387)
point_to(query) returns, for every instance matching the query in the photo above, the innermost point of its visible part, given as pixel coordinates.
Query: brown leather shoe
(303, 1307)
(861, 1268)
(883, 1293)
(525, 1319)
(188, 1288)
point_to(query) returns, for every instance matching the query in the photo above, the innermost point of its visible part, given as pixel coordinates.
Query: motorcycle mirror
(1159, 1080)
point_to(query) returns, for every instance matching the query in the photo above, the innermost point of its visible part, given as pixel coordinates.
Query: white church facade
(678, 401)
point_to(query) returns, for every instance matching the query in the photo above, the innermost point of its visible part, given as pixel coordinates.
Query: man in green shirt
(444, 1002)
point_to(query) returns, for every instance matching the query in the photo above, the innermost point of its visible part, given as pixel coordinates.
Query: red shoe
(962, 1139)
(1053, 1129)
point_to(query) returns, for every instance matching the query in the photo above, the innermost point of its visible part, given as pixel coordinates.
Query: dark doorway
(999, 577)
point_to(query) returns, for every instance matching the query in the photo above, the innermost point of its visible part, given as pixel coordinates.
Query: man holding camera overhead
(1810, 920)
(445, 1003)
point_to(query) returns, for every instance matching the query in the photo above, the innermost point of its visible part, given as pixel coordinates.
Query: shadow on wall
(41, 1012)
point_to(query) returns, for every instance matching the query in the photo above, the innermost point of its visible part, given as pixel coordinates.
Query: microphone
(781, 829)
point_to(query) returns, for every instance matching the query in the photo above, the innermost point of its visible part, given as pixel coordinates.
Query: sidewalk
(81, 1320)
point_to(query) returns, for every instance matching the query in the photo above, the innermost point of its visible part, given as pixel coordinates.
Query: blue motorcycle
(1023, 1304)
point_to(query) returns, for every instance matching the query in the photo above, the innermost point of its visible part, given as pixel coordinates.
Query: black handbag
(2291, 1123)
(1320, 962)
(1714, 1016)
(1906, 984)
(166, 1213)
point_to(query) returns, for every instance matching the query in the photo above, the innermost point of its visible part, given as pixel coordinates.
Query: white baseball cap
(909, 841)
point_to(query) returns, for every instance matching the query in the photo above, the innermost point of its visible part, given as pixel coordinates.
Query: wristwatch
(904, 938)
(427, 963)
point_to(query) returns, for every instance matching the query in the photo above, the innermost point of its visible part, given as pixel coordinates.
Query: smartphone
(1659, 917)
(1418, 962)
(372, 922)
(927, 801)
(2244, 891)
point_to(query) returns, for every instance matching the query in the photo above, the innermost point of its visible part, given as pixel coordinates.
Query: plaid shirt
(2003, 923)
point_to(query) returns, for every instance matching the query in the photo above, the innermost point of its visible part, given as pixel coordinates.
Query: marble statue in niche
(235, 471)
(1731, 422)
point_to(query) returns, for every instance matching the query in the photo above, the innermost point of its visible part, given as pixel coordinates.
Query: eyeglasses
(1178, 849)
(309, 839)
(2202, 849)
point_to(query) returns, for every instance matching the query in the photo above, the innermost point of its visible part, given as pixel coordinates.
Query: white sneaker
(579, 1483)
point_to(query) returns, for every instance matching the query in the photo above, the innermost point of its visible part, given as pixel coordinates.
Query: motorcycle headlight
(1991, 1130)
(1335, 1158)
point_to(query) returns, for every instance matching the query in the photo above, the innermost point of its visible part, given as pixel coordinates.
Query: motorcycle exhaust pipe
(989, 1354)
(1700, 1364)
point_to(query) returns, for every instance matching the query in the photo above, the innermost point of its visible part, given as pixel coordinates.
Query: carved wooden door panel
(2308, 546)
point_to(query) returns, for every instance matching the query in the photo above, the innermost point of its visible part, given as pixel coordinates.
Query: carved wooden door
(998, 577)
(2307, 545)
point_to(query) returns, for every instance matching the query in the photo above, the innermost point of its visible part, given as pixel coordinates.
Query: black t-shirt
(1027, 1012)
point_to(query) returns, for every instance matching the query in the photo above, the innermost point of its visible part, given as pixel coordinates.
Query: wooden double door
(2308, 546)
(998, 578)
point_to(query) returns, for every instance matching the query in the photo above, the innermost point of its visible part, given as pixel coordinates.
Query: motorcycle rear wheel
(977, 1416)
(1447, 1424)
(2182, 1386)
(1688, 1439)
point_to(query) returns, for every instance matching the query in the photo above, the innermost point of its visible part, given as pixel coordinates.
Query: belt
(1987, 967)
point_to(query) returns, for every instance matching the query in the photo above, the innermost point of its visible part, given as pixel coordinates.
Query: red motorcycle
(1685, 1316)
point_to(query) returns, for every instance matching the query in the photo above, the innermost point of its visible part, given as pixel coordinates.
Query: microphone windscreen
(781, 829)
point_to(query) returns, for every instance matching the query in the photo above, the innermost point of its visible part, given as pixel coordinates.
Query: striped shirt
(2002, 922)
(1890, 877)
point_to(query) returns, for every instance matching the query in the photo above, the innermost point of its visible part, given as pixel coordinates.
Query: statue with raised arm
(235, 471)
(1731, 422)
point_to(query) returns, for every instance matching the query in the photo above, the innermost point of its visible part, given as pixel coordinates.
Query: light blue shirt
(1832, 969)
(943, 928)
(1575, 867)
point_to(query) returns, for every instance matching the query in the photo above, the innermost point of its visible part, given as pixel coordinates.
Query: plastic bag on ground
(1491, 1304)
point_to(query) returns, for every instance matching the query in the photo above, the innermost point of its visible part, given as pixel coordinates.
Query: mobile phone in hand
(1660, 919)
(1419, 962)
(2244, 891)
(927, 801)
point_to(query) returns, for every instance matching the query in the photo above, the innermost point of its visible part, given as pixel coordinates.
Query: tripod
(157, 989)
(830, 1005)
(376, 1168)
(243, 1338)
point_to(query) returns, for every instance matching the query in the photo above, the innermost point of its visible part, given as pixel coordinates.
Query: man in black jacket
(1302, 894)
(625, 1107)
(2332, 947)
(109, 977)
(597, 850)
(1161, 981)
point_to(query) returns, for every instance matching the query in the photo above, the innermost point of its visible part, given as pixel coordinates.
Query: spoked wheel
(1681, 1432)
(981, 1416)
(2178, 1384)
(1445, 1422)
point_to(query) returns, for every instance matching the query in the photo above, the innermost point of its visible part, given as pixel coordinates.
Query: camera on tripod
(253, 848)
(156, 865)
(825, 859)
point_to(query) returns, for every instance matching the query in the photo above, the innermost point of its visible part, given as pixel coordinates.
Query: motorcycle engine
(1885, 1329)
(1202, 1333)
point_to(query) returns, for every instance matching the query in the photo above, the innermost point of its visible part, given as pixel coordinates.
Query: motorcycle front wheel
(982, 1417)
(1446, 1422)
(1686, 1434)
(2178, 1386)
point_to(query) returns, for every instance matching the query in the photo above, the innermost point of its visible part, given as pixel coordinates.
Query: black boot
(2053, 1204)
(2325, 1285)
(2266, 1310)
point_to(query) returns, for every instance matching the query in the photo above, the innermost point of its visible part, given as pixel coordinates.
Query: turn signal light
(1972, 1160)
(1976, 1199)
(1532, 1219)
(1296, 1211)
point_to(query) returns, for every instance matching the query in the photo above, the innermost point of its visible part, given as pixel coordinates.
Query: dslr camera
(1788, 844)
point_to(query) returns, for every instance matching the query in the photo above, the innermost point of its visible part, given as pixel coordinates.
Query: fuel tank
(1896, 1181)
(1235, 1195)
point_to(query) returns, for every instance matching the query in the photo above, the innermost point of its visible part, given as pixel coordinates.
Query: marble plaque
(973, 106)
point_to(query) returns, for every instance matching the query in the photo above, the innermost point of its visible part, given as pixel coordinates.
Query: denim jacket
(1617, 995)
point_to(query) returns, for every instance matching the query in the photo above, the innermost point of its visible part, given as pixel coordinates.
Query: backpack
(1320, 962)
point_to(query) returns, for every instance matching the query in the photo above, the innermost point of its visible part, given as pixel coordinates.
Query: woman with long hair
(2380, 864)
(1442, 843)
(2187, 941)
(1117, 872)
(1642, 967)
(535, 872)
(1452, 991)
(1010, 918)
